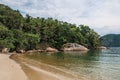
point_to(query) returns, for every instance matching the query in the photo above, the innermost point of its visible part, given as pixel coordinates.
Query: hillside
(111, 40)
(18, 32)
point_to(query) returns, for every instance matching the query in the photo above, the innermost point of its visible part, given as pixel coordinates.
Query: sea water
(93, 65)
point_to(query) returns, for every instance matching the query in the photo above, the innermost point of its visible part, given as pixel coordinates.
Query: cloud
(101, 15)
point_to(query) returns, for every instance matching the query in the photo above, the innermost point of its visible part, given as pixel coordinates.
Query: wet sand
(41, 71)
(10, 70)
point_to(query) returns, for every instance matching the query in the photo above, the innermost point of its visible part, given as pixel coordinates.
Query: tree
(91, 37)
(32, 40)
(19, 39)
(6, 37)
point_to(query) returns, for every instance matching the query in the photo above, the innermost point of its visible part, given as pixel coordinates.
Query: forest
(27, 33)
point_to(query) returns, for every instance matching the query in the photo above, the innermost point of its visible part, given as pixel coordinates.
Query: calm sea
(93, 65)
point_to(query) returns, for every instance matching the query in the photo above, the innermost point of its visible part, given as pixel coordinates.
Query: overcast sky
(101, 15)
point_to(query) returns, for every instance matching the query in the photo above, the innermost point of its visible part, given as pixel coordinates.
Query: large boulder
(49, 49)
(5, 50)
(74, 47)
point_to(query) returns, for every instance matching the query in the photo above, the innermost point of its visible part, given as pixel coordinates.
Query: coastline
(40, 71)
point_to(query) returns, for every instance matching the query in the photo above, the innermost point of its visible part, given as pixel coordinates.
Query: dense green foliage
(18, 32)
(111, 40)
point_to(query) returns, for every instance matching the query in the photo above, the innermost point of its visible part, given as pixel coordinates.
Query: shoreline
(39, 71)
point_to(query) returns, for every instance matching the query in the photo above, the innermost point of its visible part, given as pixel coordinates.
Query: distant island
(29, 33)
(110, 40)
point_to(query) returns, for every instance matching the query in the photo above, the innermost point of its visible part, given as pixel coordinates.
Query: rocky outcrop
(49, 49)
(74, 47)
(5, 50)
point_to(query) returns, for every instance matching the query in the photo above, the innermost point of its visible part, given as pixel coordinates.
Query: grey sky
(101, 15)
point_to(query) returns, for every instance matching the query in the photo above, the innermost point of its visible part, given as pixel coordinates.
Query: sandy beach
(10, 70)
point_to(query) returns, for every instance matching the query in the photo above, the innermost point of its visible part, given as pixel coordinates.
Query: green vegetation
(111, 40)
(18, 32)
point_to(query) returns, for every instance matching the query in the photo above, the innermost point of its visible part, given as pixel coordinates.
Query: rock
(5, 50)
(101, 47)
(40, 50)
(49, 49)
(35, 51)
(31, 51)
(74, 47)
(20, 51)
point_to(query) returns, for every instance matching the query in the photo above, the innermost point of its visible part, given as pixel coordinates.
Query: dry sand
(10, 70)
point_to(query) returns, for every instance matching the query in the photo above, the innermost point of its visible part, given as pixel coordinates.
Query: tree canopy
(18, 32)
